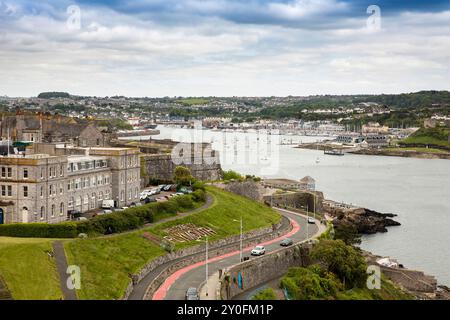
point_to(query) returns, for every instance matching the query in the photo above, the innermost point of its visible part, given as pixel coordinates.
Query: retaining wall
(262, 269)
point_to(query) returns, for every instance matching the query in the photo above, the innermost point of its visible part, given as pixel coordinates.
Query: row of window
(6, 190)
(130, 194)
(132, 161)
(86, 182)
(131, 177)
(94, 200)
(86, 165)
(42, 212)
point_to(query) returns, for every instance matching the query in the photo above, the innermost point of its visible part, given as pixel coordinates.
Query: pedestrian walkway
(209, 292)
(61, 265)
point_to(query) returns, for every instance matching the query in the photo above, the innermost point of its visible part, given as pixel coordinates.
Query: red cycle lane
(161, 293)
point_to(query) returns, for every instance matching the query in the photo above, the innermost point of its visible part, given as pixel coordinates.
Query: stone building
(45, 187)
(53, 128)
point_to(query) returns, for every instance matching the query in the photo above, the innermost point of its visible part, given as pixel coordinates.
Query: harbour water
(418, 190)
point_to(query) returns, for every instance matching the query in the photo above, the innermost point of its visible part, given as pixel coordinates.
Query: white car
(258, 251)
(311, 221)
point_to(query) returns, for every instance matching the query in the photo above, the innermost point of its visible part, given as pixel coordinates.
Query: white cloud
(115, 53)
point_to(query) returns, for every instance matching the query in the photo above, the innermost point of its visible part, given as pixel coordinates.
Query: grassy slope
(429, 136)
(27, 270)
(106, 262)
(424, 150)
(219, 217)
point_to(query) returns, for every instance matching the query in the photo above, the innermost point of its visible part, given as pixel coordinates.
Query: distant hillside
(431, 137)
(419, 99)
(49, 95)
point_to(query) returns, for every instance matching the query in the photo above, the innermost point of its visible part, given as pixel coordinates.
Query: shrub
(40, 230)
(198, 186)
(310, 283)
(231, 175)
(199, 196)
(266, 294)
(184, 202)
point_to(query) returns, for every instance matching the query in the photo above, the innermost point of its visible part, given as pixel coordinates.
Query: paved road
(176, 286)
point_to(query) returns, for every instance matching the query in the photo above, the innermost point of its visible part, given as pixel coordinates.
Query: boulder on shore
(366, 221)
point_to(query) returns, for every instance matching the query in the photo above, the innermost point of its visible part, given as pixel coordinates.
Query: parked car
(258, 251)
(185, 190)
(81, 219)
(192, 294)
(168, 187)
(107, 211)
(286, 242)
(149, 200)
(311, 221)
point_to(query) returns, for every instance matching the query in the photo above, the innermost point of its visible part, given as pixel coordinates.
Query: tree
(231, 175)
(266, 294)
(310, 283)
(342, 260)
(183, 176)
(347, 233)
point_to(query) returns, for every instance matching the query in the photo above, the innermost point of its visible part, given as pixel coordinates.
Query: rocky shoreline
(364, 220)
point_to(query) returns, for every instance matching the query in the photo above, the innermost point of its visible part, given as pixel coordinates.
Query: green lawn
(429, 136)
(219, 217)
(27, 270)
(107, 262)
(425, 150)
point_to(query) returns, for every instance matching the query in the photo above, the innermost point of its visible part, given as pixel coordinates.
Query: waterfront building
(308, 183)
(284, 184)
(48, 187)
(350, 139)
(375, 141)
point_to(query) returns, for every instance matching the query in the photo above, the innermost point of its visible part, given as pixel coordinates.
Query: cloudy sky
(223, 47)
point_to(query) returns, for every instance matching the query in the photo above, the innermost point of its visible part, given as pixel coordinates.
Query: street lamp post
(307, 223)
(206, 263)
(240, 240)
(314, 206)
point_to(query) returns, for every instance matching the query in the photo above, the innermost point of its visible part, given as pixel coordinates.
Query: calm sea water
(418, 190)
